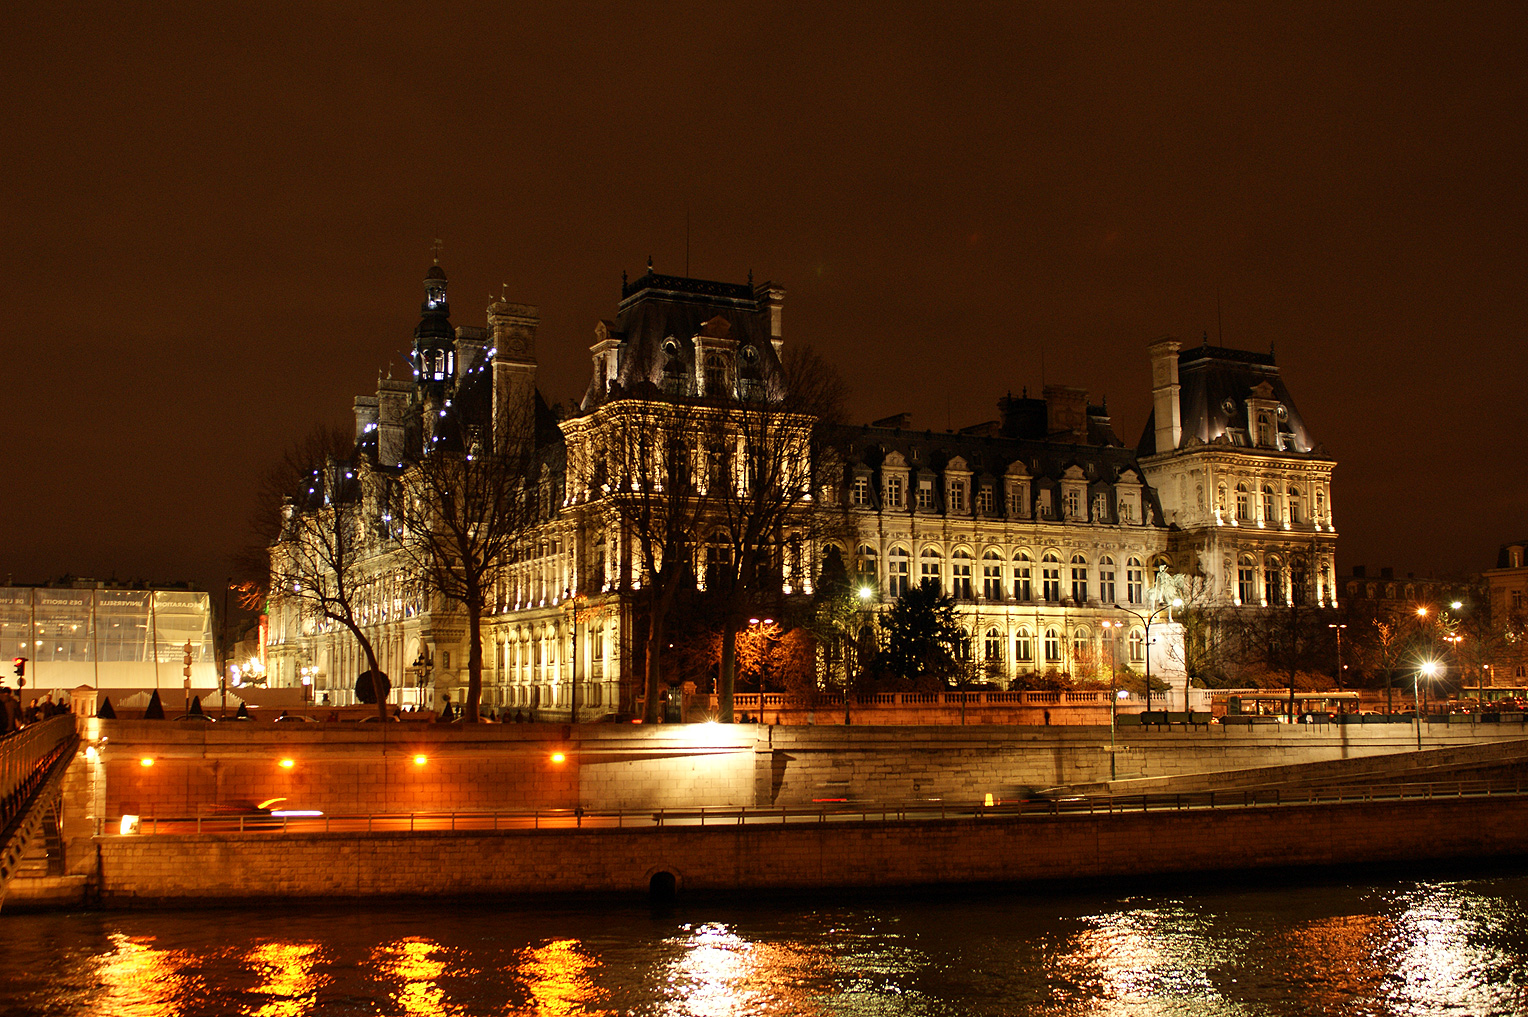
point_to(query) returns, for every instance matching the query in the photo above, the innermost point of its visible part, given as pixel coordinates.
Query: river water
(1453, 942)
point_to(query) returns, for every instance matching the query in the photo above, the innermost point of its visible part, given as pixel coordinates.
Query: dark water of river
(1451, 944)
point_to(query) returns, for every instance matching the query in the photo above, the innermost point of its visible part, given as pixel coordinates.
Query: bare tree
(642, 457)
(764, 447)
(324, 552)
(463, 504)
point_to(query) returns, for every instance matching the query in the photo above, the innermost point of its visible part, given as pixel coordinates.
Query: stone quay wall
(355, 769)
(170, 869)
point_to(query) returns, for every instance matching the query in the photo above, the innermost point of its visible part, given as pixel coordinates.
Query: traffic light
(20, 664)
(187, 659)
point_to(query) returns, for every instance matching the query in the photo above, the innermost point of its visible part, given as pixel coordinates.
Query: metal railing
(821, 813)
(25, 759)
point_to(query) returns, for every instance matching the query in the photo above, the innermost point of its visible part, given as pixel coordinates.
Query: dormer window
(859, 494)
(1265, 429)
(925, 495)
(716, 374)
(957, 496)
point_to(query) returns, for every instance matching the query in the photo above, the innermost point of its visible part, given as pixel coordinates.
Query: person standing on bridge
(10, 712)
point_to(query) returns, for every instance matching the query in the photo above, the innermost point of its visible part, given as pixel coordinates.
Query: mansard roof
(1216, 382)
(992, 456)
(656, 308)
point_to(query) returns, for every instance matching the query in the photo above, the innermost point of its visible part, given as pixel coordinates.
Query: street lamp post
(1113, 691)
(1428, 668)
(864, 593)
(1147, 620)
(1338, 629)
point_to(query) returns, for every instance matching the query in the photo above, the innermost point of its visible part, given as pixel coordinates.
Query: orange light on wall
(146, 761)
(287, 764)
(420, 760)
(559, 758)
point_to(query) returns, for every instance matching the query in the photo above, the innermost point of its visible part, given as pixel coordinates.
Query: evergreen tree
(922, 636)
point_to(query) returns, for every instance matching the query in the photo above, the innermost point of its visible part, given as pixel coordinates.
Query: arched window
(1023, 647)
(963, 645)
(1082, 648)
(1050, 577)
(992, 575)
(1079, 579)
(1264, 430)
(930, 568)
(1106, 579)
(960, 574)
(1270, 504)
(1273, 585)
(898, 566)
(1134, 584)
(1137, 646)
(1052, 646)
(716, 375)
(1243, 512)
(1320, 506)
(1022, 589)
(865, 564)
(992, 649)
(1246, 580)
(1294, 505)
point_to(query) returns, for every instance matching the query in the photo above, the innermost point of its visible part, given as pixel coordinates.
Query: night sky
(217, 219)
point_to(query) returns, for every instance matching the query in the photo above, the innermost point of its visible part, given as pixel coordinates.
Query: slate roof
(1216, 382)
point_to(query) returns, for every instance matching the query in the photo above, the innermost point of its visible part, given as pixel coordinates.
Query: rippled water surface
(1444, 946)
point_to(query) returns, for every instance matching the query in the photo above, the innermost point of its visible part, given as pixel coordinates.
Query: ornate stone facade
(1059, 543)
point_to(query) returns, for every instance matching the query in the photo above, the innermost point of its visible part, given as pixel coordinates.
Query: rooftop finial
(750, 277)
(1206, 337)
(435, 248)
(649, 264)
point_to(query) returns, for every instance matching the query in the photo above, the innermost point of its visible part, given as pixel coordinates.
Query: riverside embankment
(170, 770)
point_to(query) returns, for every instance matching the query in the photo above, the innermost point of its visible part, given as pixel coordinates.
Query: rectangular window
(928, 570)
(1101, 508)
(1018, 503)
(1047, 510)
(894, 492)
(896, 574)
(925, 495)
(1023, 649)
(1050, 579)
(957, 496)
(1080, 584)
(1517, 600)
(984, 500)
(992, 582)
(960, 570)
(1074, 504)
(860, 495)
(1133, 584)
(1246, 584)
(1052, 646)
(1106, 585)
(1021, 582)
(1126, 511)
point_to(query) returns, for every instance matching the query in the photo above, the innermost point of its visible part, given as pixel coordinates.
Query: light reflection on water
(1330, 948)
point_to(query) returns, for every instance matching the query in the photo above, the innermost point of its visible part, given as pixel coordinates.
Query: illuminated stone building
(1245, 488)
(1042, 524)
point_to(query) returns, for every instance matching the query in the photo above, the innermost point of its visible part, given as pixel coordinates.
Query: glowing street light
(1431, 669)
